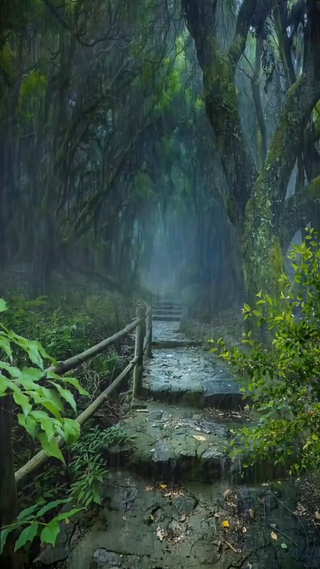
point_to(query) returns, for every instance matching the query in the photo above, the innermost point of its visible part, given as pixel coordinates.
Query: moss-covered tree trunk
(256, 203)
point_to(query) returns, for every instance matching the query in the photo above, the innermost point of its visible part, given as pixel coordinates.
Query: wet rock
(185, 505)
(103, 559)
(162, 452)
(123, 498)
(206, 552)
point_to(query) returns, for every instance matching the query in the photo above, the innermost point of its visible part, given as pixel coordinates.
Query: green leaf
(27, 512)
(23, 401)
(70, 380)
(4, 534)
(50, 533)
(68, 515)
(5, 345)
(71, 430)
(50, 447)
(13, 371)
(32, 373)
(3, 305)
(284, 546)
(29, 423)
(51, 505)
(27, 535)
(66, 394)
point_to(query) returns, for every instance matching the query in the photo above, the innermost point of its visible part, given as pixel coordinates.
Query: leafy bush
(284, 378)
(88, 466)
(41, 396)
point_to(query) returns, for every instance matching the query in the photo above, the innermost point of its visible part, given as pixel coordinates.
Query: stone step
(167, 306)
(181, 444)
(166, 318)
(166, 311)
(165, 344)
(171, 442)
(191, 377)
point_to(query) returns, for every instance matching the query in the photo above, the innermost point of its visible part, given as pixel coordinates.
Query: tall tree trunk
(8, 490)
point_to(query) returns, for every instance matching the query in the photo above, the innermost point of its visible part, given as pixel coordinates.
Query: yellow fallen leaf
(274, 535)
(199, 437)
(225, 524)
(163, 486)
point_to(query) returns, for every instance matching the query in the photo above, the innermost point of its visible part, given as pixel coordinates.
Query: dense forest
(152, 148)
(126, 128)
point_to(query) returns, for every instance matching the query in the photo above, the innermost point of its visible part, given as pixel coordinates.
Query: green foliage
(88, 465)
(283, 379)
(32, 523)
(32, 92)
(40, 395)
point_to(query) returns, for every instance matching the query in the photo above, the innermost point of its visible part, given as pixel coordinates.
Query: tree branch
(244, 20)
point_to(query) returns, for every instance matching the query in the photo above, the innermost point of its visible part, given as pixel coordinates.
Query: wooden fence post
(138, 352)
(149, 333)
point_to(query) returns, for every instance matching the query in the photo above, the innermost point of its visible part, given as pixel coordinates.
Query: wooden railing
(142, 325)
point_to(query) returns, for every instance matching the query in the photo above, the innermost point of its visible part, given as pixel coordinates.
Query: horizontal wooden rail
(143, 343)
(41, 457)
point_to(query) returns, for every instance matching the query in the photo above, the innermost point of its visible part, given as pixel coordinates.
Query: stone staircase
(192, 404)
(167, 310)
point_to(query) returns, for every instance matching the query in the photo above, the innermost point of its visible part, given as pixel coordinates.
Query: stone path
(172, 499)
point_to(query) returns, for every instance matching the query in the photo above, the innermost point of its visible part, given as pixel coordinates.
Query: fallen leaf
(225, 524)
(199, 437)
(274, 535)
(227, 493)
(251, 513)
(163, 486)
(284, 546)
(317, 515)
(160, 534)
(183, 518)
(149, 488)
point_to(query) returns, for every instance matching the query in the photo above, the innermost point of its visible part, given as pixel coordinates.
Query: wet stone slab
(192, 377)
(174, 443)
(166, 331)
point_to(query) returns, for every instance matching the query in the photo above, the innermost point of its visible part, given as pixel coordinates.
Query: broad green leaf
(26, 513)
(13, 371)
(71, 430)
(28, 423)
(3, 305)
(27, 535)
(4, 534)
(5, 345)
(50, 533)
(66, 394)
(50, 447)
(32, 373)
(70, 380)
(54, 504)
(22, 400)
(67, 515)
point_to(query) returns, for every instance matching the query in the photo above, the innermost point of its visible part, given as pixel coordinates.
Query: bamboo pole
(138, 352)
(148, 338)
(41, 457)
